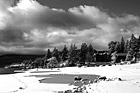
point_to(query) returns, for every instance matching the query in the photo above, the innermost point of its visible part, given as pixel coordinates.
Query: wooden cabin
(121, 57)
(102, 56)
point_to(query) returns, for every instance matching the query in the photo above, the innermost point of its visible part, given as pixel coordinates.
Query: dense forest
(87, 53)
(75, 55)
(131, 47)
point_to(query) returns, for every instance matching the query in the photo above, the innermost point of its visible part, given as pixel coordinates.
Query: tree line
(87, 53)
(73, 54)
(131, 47)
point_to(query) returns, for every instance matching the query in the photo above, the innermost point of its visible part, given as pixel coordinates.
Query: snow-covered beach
(26, 83)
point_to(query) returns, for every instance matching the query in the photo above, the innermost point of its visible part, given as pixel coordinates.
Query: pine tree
(56, 54)
(118, 47)
(133, 44)
(64, 53)
(89, 57)
(138, 44)
(122, 45)
(73, 55)
(91, 49)
(127, 46)
(48, 54)
(90, 53)
(83, 52)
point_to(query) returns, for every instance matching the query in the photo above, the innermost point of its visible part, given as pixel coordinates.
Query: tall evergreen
(64, 53)
(48, 54)
(138, 42)
(83, 52)
(122, 45)
(73, 55)
(90, 53)
(89, 57)
(91, 49)
(56, 54)
(133, 44)
(118, 47)
(127, 46)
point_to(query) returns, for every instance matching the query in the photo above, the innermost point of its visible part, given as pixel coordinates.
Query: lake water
(65, 78)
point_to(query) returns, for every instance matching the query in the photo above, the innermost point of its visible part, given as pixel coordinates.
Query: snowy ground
(25, 83)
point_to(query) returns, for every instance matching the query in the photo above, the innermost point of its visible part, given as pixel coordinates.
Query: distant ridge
(10, 53)
(7, 59)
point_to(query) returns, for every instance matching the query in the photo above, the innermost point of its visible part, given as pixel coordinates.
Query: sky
(33, 26)
(118, 7)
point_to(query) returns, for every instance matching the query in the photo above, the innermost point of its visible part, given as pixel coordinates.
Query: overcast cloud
(30, 26)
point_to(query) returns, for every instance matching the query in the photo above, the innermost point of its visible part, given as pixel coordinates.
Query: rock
(68, 91)
(21, 88)
(119, 79)
(102, 78)
(77, 78)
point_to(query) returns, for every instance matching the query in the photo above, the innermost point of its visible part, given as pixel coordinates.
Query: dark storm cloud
(31, 26)
(63, 19)
(11, 34)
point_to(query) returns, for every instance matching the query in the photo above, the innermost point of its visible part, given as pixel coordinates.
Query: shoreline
(129, 73)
